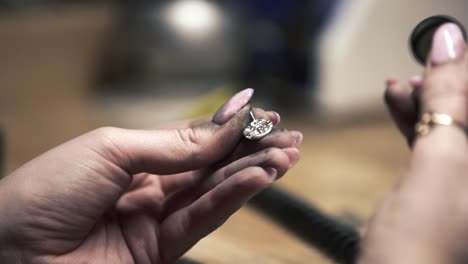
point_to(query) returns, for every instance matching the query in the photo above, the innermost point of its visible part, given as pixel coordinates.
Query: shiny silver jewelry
(258, 128)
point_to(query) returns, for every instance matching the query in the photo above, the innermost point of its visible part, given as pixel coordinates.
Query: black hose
(336, 240)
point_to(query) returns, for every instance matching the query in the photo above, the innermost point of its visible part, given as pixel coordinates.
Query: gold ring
(430, 120)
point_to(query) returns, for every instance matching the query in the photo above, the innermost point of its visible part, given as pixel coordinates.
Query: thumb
(446, 76)
(170, 151)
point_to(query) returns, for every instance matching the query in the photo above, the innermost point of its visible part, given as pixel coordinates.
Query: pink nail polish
(298, 138)
(231, 107)
(293, 155)
(448, 44)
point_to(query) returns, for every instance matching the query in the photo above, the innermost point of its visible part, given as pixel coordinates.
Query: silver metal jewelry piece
(258, 128)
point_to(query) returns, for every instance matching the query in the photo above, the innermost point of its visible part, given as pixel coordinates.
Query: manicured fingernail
(447, 44)
(272, 172)
(273, 117)
(293, 155)
(231, 107)
(298, 137)
(278, 117)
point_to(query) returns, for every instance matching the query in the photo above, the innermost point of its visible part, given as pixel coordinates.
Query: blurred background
(67, 67)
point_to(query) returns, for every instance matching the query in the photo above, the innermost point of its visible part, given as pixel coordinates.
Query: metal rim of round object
(429, 26)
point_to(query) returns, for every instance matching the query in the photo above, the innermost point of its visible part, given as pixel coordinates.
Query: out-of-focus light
(193, 17)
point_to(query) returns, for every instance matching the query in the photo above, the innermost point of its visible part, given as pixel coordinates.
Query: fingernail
(274, 117)
(447, 44)
(391, 80)
(272, 172)
(293, 155)
(231, 107)
(298, 137)
(416, 81)
(278, 117)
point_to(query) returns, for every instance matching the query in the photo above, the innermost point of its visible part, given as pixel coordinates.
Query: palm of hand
(146, 218)
(156, 220)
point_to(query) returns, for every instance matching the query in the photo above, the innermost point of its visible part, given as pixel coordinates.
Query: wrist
(439, 162)
(406, 256)
(442, 141)
(404, 231)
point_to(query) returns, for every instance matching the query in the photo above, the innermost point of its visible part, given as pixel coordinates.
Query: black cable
(337, 240)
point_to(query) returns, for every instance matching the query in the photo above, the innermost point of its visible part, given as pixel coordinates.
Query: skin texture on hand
(134, 196)
(424, 219)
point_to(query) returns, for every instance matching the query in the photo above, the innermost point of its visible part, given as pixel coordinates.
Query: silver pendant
(258, 128)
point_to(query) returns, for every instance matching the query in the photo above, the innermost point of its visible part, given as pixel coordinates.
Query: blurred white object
(367, 42)
(193, 18)
(185, 33)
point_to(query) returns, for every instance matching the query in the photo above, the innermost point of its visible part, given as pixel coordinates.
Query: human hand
(423, 220)
(132, 196)
(406, 104)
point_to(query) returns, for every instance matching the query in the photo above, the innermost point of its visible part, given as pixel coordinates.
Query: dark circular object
(421, 38)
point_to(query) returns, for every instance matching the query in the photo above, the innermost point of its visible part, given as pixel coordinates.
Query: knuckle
(259, 113)
(105, 132)
(443, 83)
(448, 79)
(188, 135)
(214, 224)
(106, 141)
(189, 141)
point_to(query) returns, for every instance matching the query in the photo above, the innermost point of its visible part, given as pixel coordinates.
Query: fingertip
(395, 91)
(448, 44)
(278, 117)
(391, 80)
(398, 98)
(416, 82)
(273, 116)
(298, 138)
(293, 156)
(263, 114)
